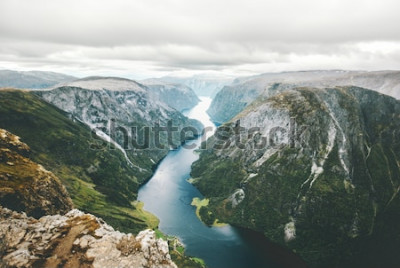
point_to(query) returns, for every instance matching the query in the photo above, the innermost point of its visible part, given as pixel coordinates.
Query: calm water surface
(168, 195)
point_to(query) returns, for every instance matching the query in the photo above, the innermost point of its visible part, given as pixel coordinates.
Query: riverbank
(200, 203)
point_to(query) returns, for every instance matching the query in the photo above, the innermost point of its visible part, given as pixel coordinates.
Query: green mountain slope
(25, 185)
(99, 180)
(325, 184)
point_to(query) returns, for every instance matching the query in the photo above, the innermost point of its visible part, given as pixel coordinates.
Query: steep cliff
(177, 96)
(316, 170)
(235, 97)
(124, 113)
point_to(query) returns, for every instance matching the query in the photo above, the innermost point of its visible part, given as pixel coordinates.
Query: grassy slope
(99, 181)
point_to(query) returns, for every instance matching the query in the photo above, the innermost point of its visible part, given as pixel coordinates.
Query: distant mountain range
(235, 97)
(202, 84)
(178, 96)
(310, 159)
(32, 79)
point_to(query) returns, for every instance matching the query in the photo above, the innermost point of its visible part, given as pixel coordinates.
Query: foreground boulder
(75, 240)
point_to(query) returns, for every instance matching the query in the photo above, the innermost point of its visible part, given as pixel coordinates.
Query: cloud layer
(144, 38)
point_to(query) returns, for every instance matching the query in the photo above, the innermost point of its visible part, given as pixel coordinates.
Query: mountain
(103, 143)
(202, 84)
(59, 235)
(98, 178)
(177, 96)
(25, 185)
(314, 169)
(32, 79)
(233, 98)
(125, 113)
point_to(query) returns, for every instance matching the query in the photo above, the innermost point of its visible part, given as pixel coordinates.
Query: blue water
(168, 195)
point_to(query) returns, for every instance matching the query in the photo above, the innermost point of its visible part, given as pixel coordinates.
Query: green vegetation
(160, 234)
(199, 203)
(341, 219)
(177, 252)
(227, 172)
(204, 214)
(184, 261)
(199, 261)
(25, 185)
(99, 180)
(207, 216)
(202, 211)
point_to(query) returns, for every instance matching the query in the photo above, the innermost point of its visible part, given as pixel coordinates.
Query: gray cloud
(149, 37)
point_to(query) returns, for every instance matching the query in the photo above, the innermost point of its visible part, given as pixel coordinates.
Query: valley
(290, 169)
(169, 195)
(199, 134)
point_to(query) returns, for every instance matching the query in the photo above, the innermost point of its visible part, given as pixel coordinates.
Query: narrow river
(168, 195)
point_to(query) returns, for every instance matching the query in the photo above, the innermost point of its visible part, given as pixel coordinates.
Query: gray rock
(101, 246)
(108, 105)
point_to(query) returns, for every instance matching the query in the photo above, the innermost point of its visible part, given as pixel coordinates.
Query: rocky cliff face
(119, 111)
(25, 185)
(75, 239)
(97, 176)
(314, 169)
(177, 96)
(235, 97)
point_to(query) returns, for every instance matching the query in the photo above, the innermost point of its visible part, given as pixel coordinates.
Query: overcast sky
(145, 38)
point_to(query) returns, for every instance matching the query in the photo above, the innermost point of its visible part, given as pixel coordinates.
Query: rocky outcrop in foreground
(75, 240)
